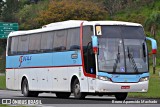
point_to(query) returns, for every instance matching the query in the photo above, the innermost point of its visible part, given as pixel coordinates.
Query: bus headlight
(104, 78)
(144, 79)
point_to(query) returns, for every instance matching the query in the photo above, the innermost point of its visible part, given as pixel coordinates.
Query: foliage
(1, 7)
(9, 10)
(28, 13)
(48, 11)
(2, 82)
(114, 6)
(22, 3)
(153, 22)
(71, 10)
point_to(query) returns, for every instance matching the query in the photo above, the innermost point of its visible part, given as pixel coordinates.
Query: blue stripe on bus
(45, 59)
(124, 78)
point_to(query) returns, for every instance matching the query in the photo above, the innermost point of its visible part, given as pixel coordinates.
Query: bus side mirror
(154, 50)
(95, 44)
(154, 45)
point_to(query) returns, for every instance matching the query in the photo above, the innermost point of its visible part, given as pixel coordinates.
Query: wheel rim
(77, 89)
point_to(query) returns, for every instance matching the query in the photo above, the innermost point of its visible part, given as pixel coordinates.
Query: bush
(71, 10)
(29, 12)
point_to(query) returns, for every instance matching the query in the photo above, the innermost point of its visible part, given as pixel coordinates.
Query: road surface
(50, 100)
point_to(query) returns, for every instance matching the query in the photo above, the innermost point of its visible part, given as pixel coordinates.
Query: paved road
(48, 99)
(2, 74)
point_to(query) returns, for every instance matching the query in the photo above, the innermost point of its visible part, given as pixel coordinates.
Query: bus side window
(74, 47)
(73, 39)
(14, 45)
(59, 40)
(61, 48)
(47, 42)
(23, 44)
(34, 43)
(9, 45)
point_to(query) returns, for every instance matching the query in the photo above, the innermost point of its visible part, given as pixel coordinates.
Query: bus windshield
(122, 49)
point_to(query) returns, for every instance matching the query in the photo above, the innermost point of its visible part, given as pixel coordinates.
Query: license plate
(125, 87)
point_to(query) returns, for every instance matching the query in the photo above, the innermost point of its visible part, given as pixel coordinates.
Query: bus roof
(70, 24)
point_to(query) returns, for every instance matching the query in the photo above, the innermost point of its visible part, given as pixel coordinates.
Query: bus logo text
(23, 59)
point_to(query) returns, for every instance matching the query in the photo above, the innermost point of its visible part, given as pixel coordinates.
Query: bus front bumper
(107, 86)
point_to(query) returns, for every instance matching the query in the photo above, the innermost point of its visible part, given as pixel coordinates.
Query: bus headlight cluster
(104, 78)
(144, 79)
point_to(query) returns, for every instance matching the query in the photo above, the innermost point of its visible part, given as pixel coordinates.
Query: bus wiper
(117, 60)
(131, 59)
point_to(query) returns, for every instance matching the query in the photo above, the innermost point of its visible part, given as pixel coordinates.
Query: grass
(2, 82)
(3, 105)
(154, 87)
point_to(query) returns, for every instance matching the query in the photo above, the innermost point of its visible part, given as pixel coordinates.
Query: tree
(26, 16)
(22, 3)
(71, 10)
(113, 6)
(34, 1)
(1, 7)
(153, 24)
(10, 8)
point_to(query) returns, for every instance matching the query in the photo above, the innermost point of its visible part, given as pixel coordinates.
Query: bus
(79, 57)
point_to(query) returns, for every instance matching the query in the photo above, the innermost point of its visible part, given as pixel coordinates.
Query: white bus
(79, 57)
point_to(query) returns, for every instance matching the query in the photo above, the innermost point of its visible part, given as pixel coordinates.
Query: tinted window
(87, 33)
(73, 39)
(127, 32)
(89, 58)
(34, 43)
(60, 40)
(47, 41)
(14, 45)
(9, 46)
(23, 44)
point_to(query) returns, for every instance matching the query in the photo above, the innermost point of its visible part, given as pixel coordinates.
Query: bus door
(90, 67)
(89, 57)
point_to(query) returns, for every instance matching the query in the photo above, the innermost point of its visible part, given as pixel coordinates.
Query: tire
(76, 90)
(121, 96)
(63, 94)
(25, 90)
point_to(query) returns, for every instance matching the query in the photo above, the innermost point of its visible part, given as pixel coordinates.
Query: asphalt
(50, 100)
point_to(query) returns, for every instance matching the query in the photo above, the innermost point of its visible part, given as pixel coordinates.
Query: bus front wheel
(25, 90)
(76, 90)
(121, 96)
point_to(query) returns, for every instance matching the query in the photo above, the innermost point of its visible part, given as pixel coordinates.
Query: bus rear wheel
(25, 90)
(76, 90)
(63, 94)
(121, 96)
